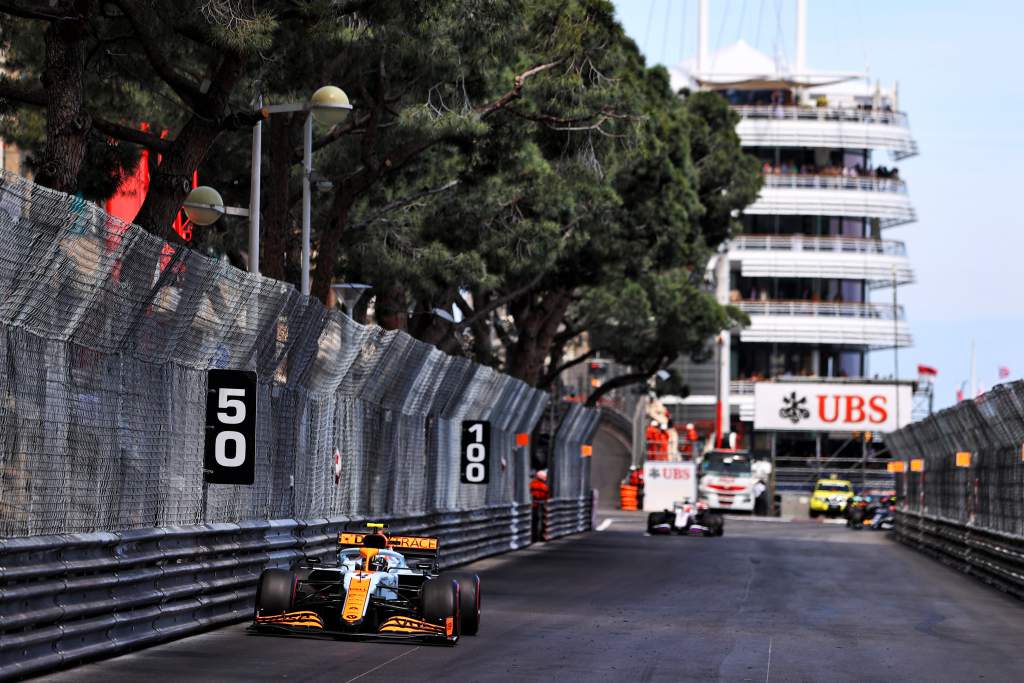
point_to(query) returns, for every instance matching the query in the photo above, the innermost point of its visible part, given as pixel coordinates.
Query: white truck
(732, 480)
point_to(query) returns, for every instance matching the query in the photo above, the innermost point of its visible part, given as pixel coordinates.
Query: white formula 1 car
(686, 517)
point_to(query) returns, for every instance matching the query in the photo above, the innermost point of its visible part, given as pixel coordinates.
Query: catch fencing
(109, 538)
(106, 336)
(968, 510)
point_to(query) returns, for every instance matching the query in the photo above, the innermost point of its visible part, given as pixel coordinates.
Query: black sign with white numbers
(476, 447)
(230, 456)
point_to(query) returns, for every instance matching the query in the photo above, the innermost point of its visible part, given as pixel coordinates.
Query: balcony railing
(741, 387)
(791, 113)
(829, 182)
(831, 244)
(871, 311)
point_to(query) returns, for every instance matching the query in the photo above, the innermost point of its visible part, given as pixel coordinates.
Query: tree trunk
(172, 181)
(391, 310)
(67, 126)
(483, 350)
(536, 326)
(322, 275)
(277, 224)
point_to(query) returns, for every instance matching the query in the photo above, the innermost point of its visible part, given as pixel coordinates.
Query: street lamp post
(329, 105)
(349, 293)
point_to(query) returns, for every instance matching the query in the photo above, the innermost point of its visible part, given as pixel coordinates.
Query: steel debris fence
(106, 335)
(989, 493)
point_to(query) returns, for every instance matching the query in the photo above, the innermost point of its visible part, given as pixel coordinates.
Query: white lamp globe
(204, 205)
(330, 105)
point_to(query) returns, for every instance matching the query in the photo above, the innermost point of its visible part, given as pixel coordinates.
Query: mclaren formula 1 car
(378, 586)
(693, 519)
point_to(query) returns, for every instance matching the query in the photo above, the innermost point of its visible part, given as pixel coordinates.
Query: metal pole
(896, 344)
(254, 193)
(724, 362)
(801, 37)
(817, 454)
(307, 171)
(703, 58)
(863, 460)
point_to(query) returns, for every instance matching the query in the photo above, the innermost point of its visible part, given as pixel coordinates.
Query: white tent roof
(741, 66)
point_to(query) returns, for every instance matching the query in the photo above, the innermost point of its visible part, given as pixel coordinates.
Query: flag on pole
(960, 392)
(1004, 372)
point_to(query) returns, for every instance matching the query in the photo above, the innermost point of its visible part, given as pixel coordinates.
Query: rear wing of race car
(413, 547)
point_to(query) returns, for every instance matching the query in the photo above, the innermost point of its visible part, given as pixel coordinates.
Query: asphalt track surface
(769, 601)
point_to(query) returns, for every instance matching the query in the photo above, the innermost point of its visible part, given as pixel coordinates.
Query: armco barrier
(68, 598)
(567, 516)
(991, 556)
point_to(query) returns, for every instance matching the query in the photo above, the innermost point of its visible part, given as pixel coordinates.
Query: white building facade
(813, 267)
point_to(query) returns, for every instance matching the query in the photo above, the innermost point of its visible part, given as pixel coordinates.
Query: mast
(702, 38)
(800, 68)
(974, 375)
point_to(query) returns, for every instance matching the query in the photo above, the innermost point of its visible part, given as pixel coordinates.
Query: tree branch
(517, 88)
(150, 43)
(499, 302)
(128, 134)
(32, 11)
(616, 383)
(11, 89)
(403, 202)
(552, 374)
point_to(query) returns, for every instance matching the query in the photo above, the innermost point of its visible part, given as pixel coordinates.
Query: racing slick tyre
(439, 601)
(274, 595)
(656, 522)
(469, 601)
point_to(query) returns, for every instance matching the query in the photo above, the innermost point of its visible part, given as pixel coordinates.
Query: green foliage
(515, 157)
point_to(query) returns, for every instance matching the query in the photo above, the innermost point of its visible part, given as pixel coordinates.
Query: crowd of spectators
(855, 171)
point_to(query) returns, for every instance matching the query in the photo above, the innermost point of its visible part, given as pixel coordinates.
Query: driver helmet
(379, 563)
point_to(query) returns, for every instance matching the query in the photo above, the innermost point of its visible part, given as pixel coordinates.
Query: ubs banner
(668, 482)
(831, 407)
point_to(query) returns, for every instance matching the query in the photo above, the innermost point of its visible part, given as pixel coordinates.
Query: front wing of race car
(399, 627)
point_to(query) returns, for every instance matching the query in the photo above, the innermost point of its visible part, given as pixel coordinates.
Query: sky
(960, 81)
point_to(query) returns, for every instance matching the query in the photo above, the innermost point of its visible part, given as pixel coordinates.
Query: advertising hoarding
(831, 406)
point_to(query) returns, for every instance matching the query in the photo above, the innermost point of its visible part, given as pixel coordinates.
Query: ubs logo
(794, 409)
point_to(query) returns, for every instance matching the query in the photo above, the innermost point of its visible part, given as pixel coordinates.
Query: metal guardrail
(836, 244)
(834, 182)
(68, 598)
(567, 516)
(846, 114)
(993, 557)
(823, 308)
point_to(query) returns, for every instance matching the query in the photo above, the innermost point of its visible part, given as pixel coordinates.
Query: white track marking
(366, 673)
(768, 672)
(605, 524)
